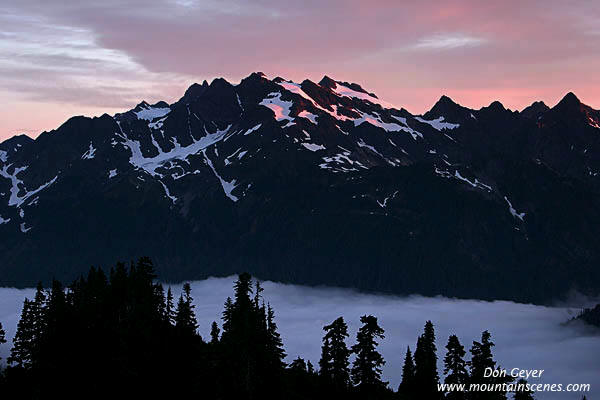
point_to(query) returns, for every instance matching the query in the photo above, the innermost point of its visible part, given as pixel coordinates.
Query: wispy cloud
(448, 41)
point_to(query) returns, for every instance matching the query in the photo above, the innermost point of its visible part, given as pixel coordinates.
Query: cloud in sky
(526, 336)
(69, 58)
(448, 41)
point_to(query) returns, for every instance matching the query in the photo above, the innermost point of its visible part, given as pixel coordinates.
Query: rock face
(313, 183)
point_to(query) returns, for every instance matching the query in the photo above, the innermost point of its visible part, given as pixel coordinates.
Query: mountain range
(313, 183)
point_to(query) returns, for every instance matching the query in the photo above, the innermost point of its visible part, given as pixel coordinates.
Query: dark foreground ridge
(121, 336)
(313, 183)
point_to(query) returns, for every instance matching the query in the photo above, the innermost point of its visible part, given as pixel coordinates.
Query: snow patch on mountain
(339, 160)
(383, 204)
(157, 124)
(227, 186)
(313, 147)
(512, 210)
(167, 192)
(375, 120)
(345, 91)
(309, 116)
(112, 173)
(15, 199)
(281, 108)
(24, 229)
(3, 155)
(4, 221)
(249, 131)
(297, 89)
(361, 143)
(150, 164)
(438, 123)
(90, 152)
(150, 113)
(406, 128)
(237, 96)
(476, 183)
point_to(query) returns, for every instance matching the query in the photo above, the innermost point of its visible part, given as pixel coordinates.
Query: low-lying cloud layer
(526, 336)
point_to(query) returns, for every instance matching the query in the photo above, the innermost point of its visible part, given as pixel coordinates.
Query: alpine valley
(313, 183)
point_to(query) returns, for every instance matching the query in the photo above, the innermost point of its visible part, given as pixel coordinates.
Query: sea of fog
(526, 336)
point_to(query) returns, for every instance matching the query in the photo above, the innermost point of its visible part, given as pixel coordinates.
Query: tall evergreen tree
(2, 336)
(426, 375)
(185, 318)
(334, 361)
(325, 360)
(257, 294)
(366, 369)
(214, 333)
(274, 342)
(309, 367)
(38, 311)
(481, 359)
(56, 312)
(406, 390)
(162, 302)
(170, 307)
(455, 367)
(242, 290)
(226, 316)
(298, 365)
(21, 354)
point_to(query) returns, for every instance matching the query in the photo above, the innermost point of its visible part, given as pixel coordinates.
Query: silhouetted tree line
(121, 336)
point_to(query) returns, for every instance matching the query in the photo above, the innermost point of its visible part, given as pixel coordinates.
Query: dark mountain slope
(313, 183)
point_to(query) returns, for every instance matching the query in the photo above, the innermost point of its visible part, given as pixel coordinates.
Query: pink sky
(64, 58)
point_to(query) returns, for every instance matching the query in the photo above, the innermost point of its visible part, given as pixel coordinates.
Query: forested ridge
(121, 335)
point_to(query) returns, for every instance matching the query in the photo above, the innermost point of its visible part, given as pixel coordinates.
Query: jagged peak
(534, 110)
(256, 75)
(569, 100)
(444, 106)
(327, 82)
(160, 104)
(445, 100)
(538, 104)
(219, 83)
(195, 90)
(495, 106)
(141, 105)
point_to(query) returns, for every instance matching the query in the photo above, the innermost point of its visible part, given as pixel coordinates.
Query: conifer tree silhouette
(455, 368)
(426, 375)
(367, 366)
(406, 389)
(335, 354)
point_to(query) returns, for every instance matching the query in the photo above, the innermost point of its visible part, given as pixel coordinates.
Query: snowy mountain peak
(296, 165)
